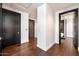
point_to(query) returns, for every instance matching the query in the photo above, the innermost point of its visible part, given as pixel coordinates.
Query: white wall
(32, 13)
(24, 22)
(50, 27)
(41, 27)
(68, 24)
(45, 27)
(35, 28)
(69, 28)
(24, 28)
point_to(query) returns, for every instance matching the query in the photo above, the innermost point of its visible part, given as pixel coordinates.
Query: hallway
(30, 49)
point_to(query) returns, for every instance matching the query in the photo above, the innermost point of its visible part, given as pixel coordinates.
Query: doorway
(69, 20)
(31, 30)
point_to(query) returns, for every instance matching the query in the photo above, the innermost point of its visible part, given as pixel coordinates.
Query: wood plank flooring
(65, 49)
(30, 49)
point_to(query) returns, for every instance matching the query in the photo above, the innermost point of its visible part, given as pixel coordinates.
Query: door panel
(11, 28)
(0, 29)
(75, 40)
(8, 29)
(31, 29)
(62, 28)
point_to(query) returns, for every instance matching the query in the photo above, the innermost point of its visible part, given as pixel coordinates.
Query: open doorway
(68, 27)
(31, 30)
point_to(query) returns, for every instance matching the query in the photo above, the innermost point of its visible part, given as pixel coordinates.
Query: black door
(11, 28)
(0, 29)
(75, 39)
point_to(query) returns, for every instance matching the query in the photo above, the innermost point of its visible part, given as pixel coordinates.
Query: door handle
(0, 38)
(18, 33)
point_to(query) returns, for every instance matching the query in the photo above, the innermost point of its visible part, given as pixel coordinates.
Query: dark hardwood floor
(65, 49)
(30, 49)
(26, 49)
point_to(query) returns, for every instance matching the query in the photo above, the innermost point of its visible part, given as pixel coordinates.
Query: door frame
(1, 31)
(76, 13)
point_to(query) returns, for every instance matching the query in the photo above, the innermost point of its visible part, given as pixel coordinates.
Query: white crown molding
(15, 6)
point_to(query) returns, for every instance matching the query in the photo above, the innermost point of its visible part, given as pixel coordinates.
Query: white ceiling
(31, 7)
(59, 6)
(54, 6)
(24, 6)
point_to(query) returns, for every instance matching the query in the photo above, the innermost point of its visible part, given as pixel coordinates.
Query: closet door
(1, 29)
(11, 28)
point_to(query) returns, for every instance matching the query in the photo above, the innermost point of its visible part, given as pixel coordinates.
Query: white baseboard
(56, 42)
(24, 41)
(46, 48)
(43, 48)
(78, 48)
(49, 46)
